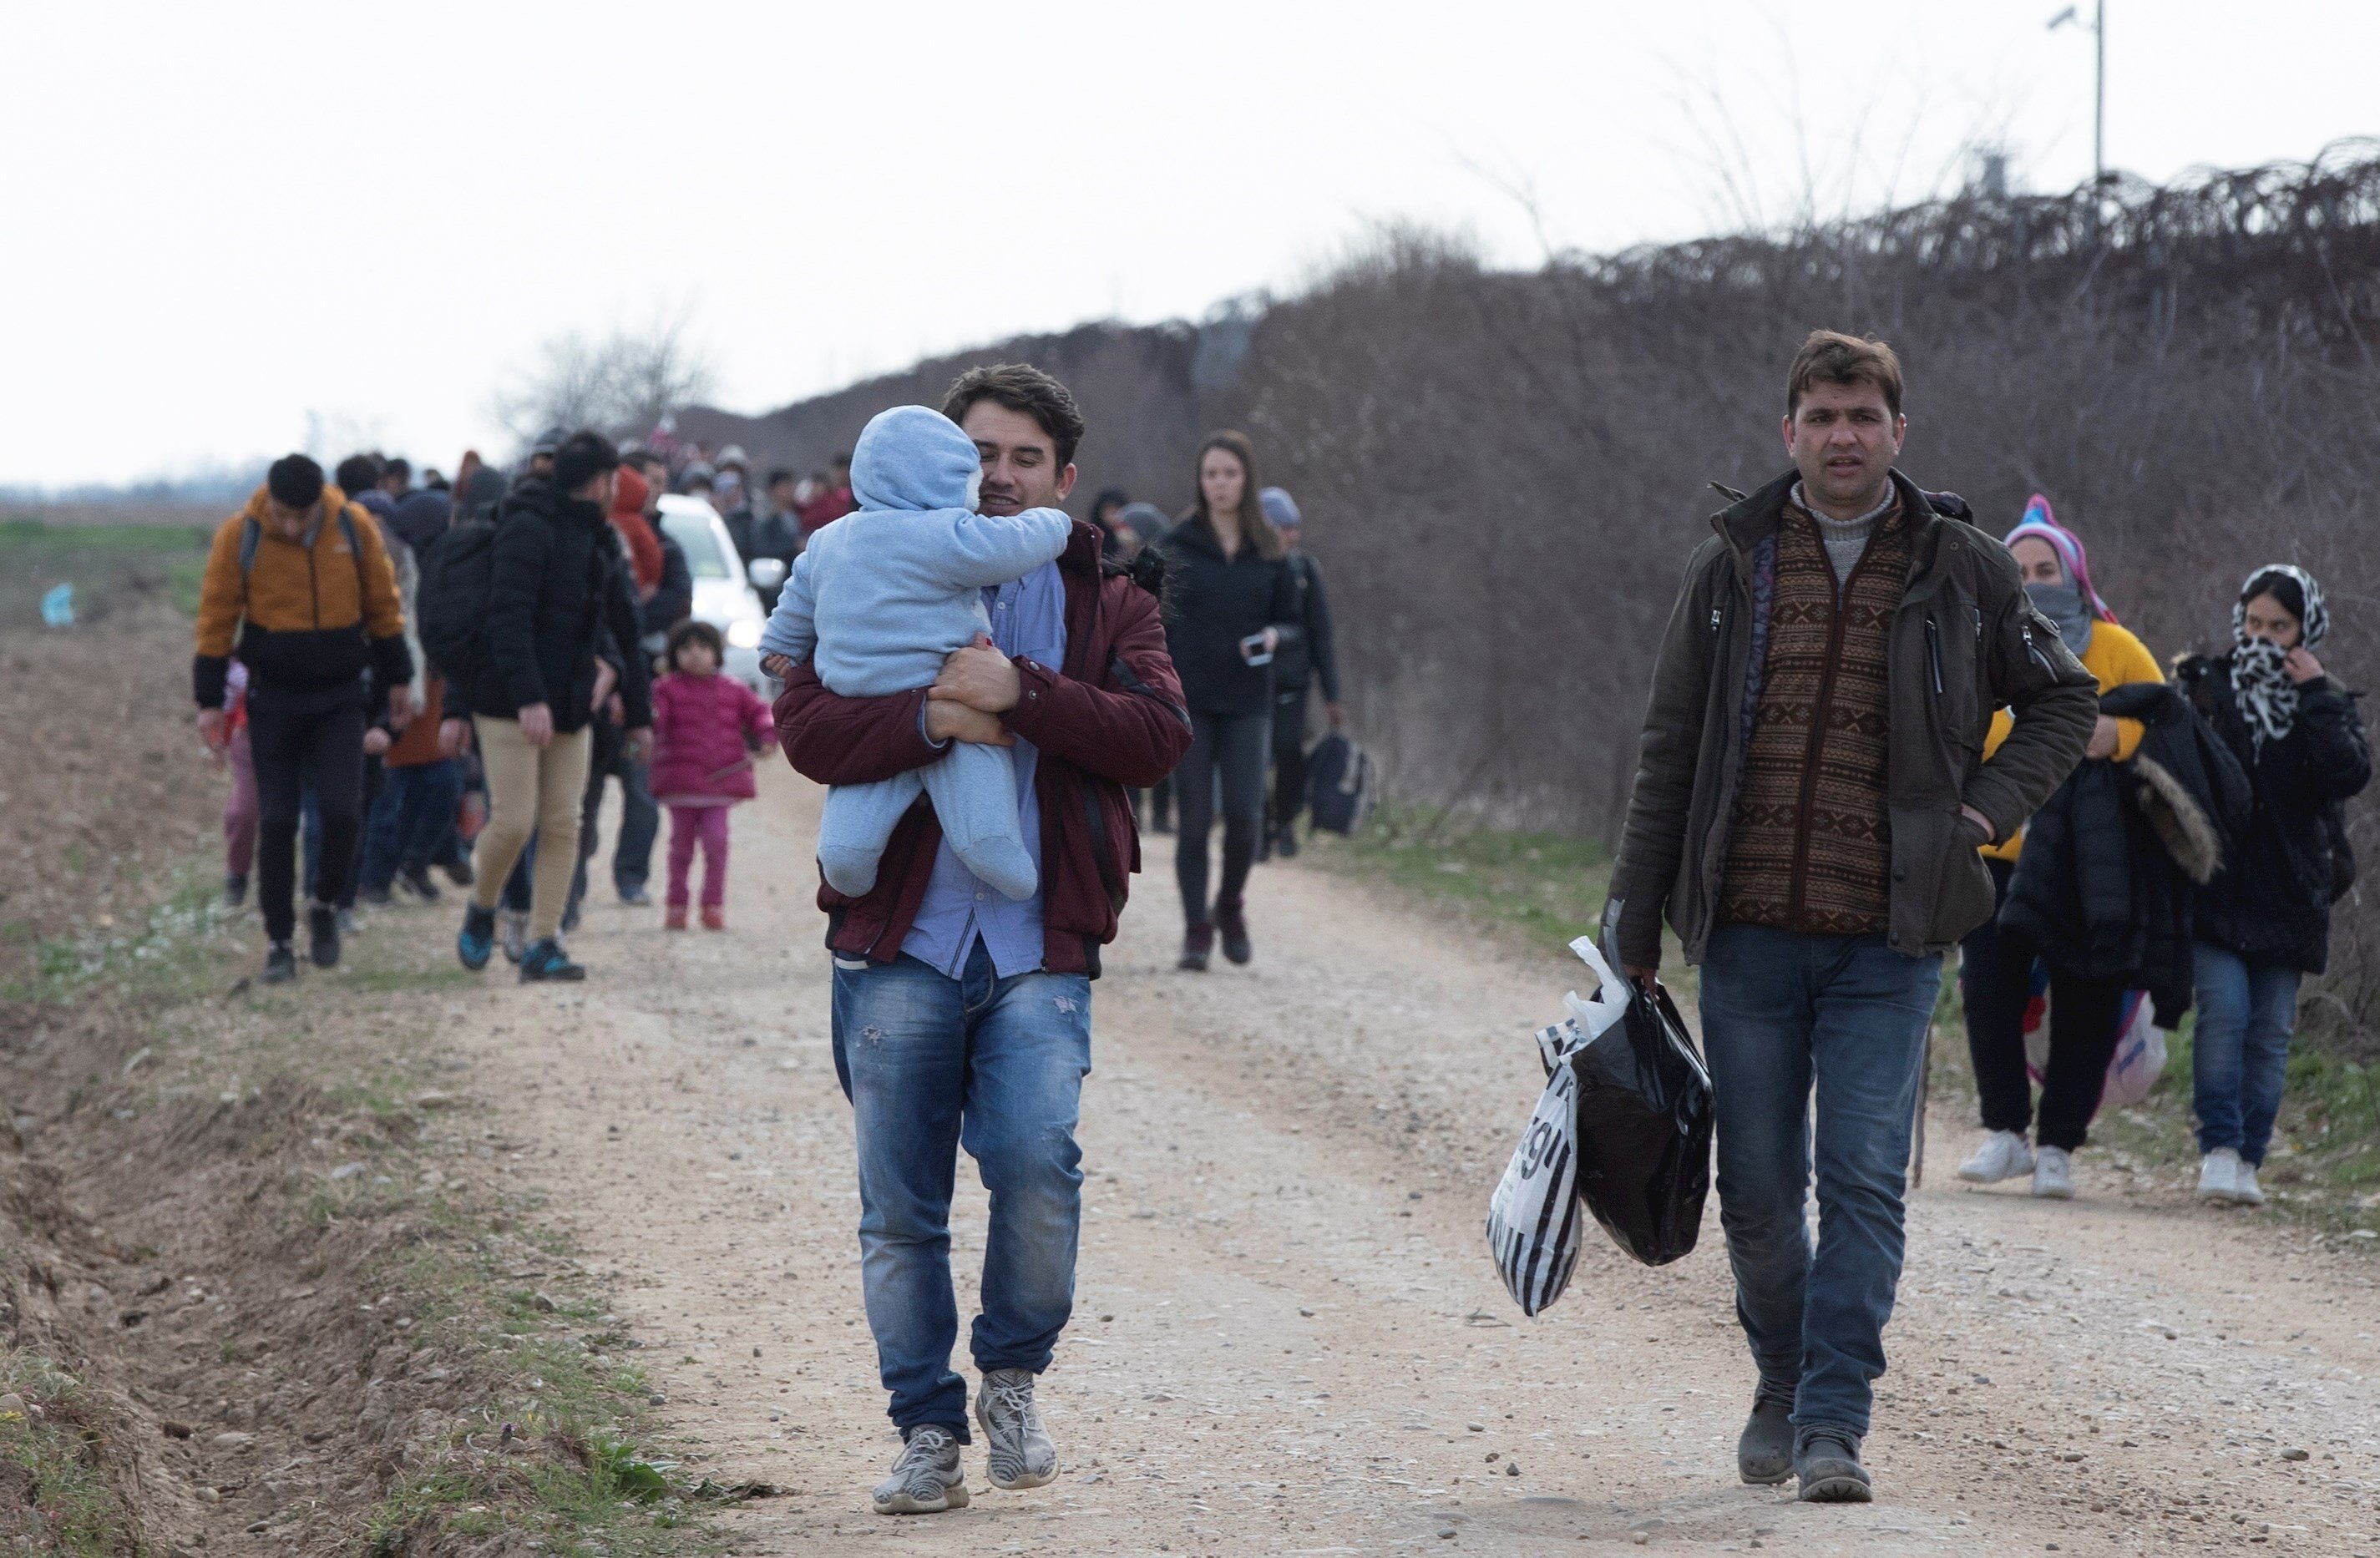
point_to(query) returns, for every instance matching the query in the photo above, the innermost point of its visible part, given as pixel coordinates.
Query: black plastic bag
(1645, 1130)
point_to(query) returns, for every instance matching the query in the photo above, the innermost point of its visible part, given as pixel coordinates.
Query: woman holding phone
(1233, 605)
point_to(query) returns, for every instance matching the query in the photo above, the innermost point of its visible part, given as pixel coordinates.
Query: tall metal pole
(2099, 104)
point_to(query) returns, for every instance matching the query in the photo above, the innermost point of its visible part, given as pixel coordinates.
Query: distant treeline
(224, 485)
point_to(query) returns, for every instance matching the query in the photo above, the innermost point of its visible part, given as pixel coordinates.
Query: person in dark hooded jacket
(558, 580)
(2264, 920)
(1996, 976)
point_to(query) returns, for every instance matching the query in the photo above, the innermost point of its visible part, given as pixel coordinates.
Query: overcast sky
(227, 225)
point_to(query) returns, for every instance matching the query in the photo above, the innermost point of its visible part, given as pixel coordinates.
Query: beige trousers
(530, 791)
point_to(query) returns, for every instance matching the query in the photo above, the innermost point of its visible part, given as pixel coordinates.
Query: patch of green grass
(25, 535)
(1548, 888)
(53, 1440)
(557, 1453)
(184, 577)
(172, 952)
(106, 564)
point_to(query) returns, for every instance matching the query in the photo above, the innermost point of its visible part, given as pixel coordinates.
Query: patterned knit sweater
(1809, 843)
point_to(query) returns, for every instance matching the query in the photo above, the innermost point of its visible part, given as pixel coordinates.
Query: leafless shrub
(619, 383)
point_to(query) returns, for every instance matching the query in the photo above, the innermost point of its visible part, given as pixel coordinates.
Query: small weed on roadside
(55, 1495)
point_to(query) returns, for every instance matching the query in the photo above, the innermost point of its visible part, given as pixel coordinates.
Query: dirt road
(1289, 1338)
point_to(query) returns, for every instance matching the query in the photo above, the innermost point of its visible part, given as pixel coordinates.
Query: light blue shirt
(1029, 622)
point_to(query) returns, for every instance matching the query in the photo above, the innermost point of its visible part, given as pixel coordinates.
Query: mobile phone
(1253, 650)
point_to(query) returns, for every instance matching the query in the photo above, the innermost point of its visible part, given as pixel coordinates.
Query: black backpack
(1339, 784)
(451, 604)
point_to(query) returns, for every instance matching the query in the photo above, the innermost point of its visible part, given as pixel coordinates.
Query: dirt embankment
(204, 1341)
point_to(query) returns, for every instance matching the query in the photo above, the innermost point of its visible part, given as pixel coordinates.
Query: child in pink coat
(707, 728)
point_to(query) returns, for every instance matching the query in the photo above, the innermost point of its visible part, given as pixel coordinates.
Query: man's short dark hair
(294, 480)
(584, 455)
(1829, 356)
(398, 466)
(358, 473)
(778, 473)
(1021, 387)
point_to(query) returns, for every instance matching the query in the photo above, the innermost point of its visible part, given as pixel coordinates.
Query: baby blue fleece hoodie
(879, 599)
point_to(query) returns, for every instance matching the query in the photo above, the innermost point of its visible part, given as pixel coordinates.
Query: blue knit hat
(1279, 507)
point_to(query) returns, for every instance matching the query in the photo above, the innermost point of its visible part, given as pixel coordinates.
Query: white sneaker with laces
(2053, 1175)
(1018, 1448)
(928, 1479)
(2004, 1155)
(2218, 1176)
(2244, 1189)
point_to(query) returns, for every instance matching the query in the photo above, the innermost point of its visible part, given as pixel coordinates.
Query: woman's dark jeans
(1226, 760)
(1996, 982)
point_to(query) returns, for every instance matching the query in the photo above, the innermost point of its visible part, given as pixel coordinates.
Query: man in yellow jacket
(300, 587)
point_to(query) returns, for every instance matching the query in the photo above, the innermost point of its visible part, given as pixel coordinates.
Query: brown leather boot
(1197, 941)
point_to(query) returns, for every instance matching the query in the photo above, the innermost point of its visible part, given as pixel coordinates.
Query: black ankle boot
(1764, 1455)
(1829, 1466)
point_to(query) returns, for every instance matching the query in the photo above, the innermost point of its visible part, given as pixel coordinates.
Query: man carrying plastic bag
(1806, 810)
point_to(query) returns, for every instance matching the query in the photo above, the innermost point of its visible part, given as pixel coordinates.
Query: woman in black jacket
(2264, 920)
(1233, 601)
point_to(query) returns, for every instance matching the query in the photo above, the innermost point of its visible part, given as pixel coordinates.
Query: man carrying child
(962, 1017)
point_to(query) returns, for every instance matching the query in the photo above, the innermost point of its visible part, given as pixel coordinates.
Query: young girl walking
(706, 728)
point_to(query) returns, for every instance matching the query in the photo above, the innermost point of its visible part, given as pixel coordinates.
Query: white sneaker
(928, 1479)
(2244, 1189)
(1021, 1451)
(2053, 1175)
(2218, 1176)
(2003, 1156)
(512, 932)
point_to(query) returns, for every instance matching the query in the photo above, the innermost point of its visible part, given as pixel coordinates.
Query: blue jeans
(415, 808)
(930, 1064)
(2239, 1062)
(1781, 1011)
(640, 821)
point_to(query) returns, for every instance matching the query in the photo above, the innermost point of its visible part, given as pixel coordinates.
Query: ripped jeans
(931, 1064)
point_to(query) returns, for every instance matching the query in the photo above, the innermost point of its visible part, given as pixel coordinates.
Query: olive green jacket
(1965, 641)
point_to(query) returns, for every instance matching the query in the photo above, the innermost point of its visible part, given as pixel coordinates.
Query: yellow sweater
(2116, 658)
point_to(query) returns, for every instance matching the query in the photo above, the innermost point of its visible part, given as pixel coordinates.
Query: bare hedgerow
(1504, 472)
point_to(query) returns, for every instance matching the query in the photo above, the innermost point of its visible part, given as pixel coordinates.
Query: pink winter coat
(700, 726)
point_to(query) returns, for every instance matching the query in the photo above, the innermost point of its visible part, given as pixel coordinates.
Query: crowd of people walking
(1877, 732)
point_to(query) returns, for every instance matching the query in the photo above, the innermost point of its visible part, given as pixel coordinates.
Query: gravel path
(1289, 1338)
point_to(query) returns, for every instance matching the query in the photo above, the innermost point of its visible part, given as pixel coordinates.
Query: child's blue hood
(912, 457)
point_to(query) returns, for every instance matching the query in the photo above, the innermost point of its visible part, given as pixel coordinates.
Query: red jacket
(826, 508)
(699, 725)
(1114, 718)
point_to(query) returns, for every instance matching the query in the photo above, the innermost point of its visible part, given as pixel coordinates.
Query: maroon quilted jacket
(1114, 718)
